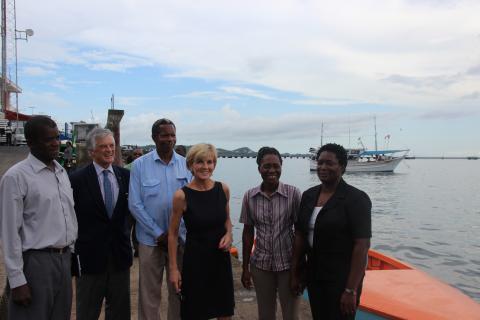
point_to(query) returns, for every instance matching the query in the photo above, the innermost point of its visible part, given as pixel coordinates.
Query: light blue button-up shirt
(150, 196)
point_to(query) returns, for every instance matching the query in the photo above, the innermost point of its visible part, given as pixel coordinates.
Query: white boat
(361, 160)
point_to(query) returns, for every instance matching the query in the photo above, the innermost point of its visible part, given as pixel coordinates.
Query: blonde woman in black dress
(205, 284)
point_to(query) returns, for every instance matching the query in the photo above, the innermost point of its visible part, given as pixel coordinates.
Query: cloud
(64, 84)
(60, 83)
(35, 71)
(228, 93)
(111, 61)
(327, 102)
(474, 70)
(136, 129)
(450, 114)
(472, 96)
(230, 113)
(247, 92)
(260, 65)
(227, 127)
(354, 50)
(213, 95)
(244, 73)
(123, 101)
(434, 82)
(43, 100)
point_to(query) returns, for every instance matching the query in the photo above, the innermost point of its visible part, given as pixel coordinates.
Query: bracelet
(351, 291)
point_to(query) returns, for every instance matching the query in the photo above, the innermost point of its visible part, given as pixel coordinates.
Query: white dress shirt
(36, 212)
(111, 177)
(311, 225)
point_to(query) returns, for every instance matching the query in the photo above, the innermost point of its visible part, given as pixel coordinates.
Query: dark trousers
(113, 286)
(48, 276)
(325, 300)
(132, 226)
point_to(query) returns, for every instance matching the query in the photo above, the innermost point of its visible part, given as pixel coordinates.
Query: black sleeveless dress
(207, 282)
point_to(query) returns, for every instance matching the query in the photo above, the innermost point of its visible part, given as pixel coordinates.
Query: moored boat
(395, 290)
(361, 160)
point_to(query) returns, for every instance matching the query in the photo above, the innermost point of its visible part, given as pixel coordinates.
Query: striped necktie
(107, 188)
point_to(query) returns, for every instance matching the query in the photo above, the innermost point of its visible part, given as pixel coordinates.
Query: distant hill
(244, 150)
(240, 152)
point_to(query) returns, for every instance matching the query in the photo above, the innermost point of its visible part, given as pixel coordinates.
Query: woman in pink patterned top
(270, 211)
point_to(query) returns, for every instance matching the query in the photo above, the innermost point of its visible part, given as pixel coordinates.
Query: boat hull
(366, 166)
(364, 315)
(395, 290)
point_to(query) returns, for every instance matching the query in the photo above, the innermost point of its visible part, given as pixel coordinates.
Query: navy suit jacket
(99, 236)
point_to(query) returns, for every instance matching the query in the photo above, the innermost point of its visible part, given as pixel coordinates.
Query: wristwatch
(351, 291)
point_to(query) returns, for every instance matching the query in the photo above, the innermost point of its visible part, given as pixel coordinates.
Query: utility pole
(19, 35)
(4, 55)
(10, 36)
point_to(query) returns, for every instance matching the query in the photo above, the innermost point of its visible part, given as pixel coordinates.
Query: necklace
(202, 186)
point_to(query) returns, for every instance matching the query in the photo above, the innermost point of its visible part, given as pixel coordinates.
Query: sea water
(427, 213)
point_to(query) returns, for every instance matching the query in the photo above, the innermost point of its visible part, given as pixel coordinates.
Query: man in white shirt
(38, 227)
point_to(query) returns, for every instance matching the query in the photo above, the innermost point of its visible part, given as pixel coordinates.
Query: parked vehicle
(3, 129)
(18, 137)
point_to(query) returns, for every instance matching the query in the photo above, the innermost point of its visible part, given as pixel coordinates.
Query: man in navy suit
(103, 249)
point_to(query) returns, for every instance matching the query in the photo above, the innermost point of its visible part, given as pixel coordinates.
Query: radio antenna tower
(8, 50)
(10, 35)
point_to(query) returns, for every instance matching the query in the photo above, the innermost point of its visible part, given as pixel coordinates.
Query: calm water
(427, 213)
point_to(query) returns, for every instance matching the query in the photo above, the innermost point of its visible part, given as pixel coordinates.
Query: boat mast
(349, 144)
(375, 126)
(321, 136)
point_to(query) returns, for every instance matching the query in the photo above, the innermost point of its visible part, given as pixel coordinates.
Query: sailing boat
(363, 160)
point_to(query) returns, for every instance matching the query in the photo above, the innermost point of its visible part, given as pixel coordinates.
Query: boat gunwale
(396, 264)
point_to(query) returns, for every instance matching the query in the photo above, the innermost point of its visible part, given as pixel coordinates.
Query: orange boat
(395, 290)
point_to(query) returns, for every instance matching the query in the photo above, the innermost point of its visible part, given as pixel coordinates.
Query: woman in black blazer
(333, 232)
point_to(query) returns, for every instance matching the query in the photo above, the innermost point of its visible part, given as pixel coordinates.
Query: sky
(255, 73)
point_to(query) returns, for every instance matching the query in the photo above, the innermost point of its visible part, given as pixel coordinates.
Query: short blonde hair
(200, 152)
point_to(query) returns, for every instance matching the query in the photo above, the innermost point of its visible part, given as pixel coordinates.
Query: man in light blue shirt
(154, 178)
